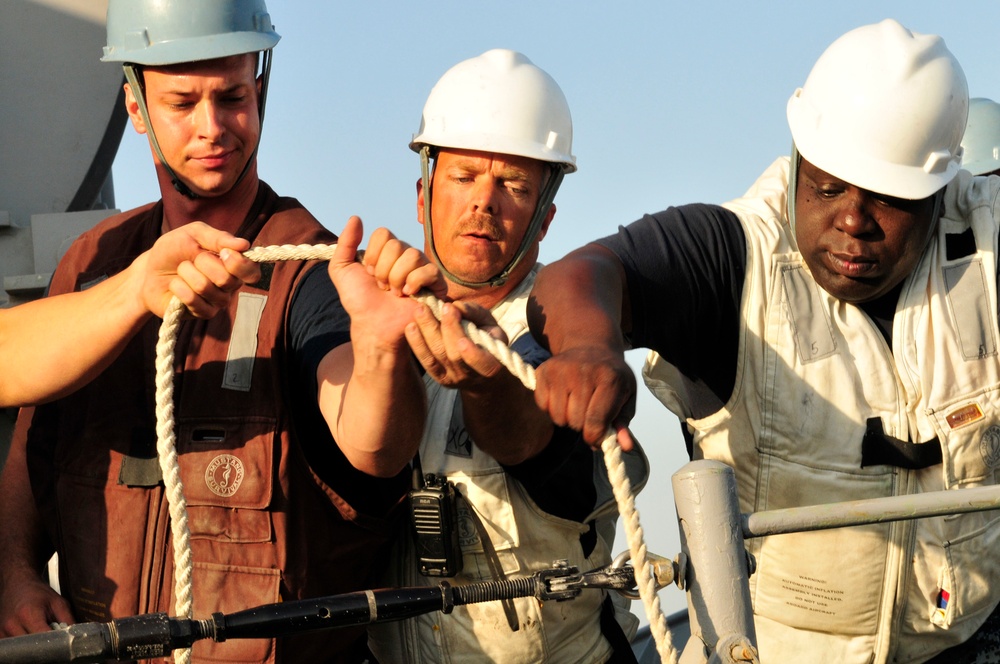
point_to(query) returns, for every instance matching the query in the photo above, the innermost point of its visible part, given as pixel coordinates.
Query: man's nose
(486, 196)
(854, 217)
(208, 117)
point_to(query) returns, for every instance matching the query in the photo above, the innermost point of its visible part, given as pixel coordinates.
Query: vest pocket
(228, 589)
(970, 438)
(967, 580)
(489, 493)
(970, 304)
(795, 583)
(104, 565)
(227, 471)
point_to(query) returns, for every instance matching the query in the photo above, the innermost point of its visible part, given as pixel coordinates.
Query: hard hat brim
(843, 159)
(496, 145)
(194, 49)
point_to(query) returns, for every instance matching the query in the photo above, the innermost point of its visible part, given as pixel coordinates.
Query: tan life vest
(812, 371)
(526, 539)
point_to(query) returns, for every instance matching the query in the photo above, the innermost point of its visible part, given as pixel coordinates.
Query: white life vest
(526, 540)
(811, 371)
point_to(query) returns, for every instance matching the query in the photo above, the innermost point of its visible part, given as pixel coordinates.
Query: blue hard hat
(165, 32)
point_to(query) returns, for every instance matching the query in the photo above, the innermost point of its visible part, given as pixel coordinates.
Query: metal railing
(715, 566)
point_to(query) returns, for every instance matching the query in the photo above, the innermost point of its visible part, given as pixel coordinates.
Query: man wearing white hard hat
(981, 142)
(280, 506)
(495, 140)
(832, 335)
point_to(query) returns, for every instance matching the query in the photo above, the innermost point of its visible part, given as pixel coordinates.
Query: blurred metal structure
(60, 126)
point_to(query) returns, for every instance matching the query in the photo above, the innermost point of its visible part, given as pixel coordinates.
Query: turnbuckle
(560, 582)
(564, 581)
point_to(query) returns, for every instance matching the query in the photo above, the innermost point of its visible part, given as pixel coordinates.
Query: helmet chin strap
(793, 183)
(545, 198)
(139, 92)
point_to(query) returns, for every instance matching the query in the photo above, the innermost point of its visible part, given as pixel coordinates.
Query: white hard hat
(884, 109)
(499, 102)
(982, 137)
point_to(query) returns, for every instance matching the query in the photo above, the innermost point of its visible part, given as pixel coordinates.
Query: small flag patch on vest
(942, 602)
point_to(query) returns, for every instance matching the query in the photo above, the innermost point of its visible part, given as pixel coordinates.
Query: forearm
(579, 309)
(504, 421)
(376, 412)
(580, 301)
(51, 346)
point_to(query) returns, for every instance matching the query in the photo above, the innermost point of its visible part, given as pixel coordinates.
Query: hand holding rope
(174, 489)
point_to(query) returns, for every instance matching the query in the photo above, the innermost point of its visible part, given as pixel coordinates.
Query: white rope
(166, 449)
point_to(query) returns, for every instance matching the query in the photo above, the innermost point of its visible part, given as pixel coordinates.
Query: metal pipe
(874, 510)
(717, 578)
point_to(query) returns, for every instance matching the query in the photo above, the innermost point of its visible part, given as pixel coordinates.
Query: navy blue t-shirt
(685, 268)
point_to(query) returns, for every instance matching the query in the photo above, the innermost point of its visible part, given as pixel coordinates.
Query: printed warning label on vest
(812, 595)
(822, 581)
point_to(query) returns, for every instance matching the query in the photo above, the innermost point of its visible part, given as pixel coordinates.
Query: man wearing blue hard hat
(277, 508)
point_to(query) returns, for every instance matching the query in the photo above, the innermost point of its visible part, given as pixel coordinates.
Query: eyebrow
(509, 172)
(183, 92)
(515, 174)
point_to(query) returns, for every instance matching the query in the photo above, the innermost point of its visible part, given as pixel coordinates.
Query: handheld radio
(435, 528)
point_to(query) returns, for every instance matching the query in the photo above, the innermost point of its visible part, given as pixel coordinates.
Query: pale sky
(672, 102)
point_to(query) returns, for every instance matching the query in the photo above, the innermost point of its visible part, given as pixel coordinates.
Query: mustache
(479, 223)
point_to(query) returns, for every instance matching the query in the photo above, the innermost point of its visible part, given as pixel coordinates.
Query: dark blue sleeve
(317, 323)
(685, 268)
(559, 478)
(530, 350)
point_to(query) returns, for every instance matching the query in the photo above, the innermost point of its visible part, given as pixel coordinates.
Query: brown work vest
(264, 527)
